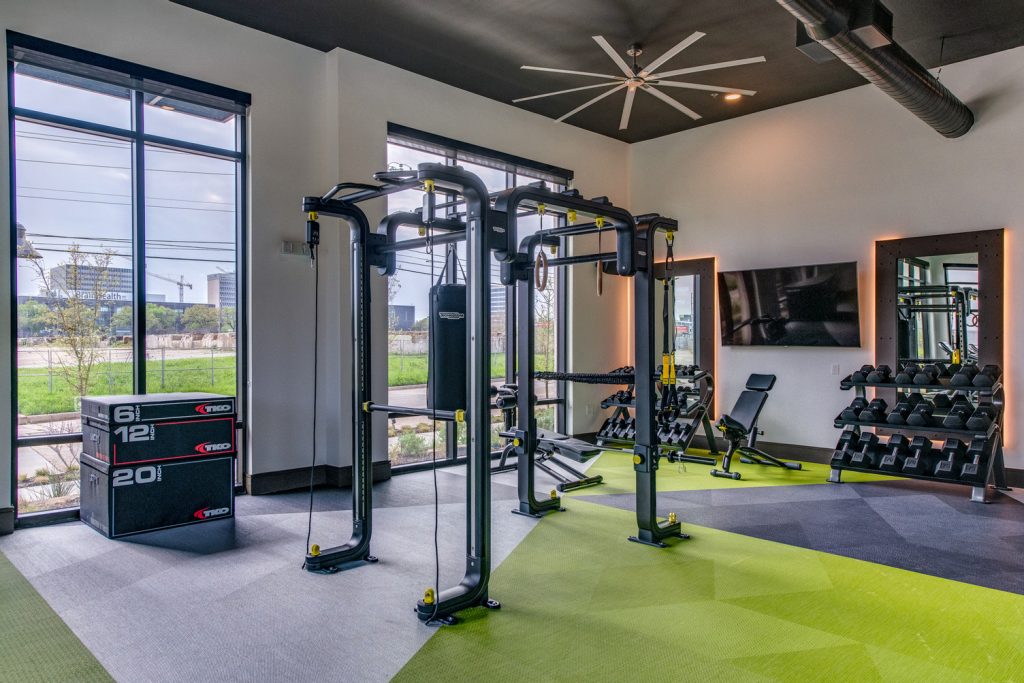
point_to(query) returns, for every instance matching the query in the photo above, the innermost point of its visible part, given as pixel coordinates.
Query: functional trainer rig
(520, 272)
(377, 250)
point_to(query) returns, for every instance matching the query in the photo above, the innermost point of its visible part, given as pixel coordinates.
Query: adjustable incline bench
(741, 424)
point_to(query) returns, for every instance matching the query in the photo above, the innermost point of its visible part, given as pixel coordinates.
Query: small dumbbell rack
(991, 471)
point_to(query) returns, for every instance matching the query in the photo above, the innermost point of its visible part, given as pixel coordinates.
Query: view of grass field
(411, 369)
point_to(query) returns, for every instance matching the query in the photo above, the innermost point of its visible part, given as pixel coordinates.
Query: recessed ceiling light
(733, 96)
(170, 108)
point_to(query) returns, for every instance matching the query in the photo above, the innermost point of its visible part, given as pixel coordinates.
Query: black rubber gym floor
(920, 526)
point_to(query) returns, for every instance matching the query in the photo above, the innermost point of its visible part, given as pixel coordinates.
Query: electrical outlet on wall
(835, 369)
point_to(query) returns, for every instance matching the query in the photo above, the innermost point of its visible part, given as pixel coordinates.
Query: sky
(76, 188)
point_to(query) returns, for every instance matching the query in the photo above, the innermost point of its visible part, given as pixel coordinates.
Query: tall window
(409, 438)
(128, 198)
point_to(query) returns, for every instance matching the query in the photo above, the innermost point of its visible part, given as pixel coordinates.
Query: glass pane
(182, 120)
(48, 477)
(938, 308)
(75, 97)
(494, 179)
(191, 282)
(685, 321)
(74, 227)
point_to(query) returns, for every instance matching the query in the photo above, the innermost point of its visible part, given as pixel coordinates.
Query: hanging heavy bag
(446, 357)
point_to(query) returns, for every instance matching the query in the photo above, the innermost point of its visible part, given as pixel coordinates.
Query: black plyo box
(120, 501)
(131, 409)
(146, 442)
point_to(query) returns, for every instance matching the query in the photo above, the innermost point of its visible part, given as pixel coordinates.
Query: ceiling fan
(636, 78)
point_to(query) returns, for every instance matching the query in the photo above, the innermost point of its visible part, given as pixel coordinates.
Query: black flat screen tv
(797, 306)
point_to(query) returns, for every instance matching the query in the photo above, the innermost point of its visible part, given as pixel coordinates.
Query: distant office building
(85, 281)
(401, 317)
(221, 289)
(497, 299)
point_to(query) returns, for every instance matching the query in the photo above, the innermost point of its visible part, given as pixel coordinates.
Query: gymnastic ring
(540, 271)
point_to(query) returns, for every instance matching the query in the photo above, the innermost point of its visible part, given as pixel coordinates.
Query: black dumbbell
(920, 451)
(913, 398)
(981, 419)
(845, 448)
(942, 402)
(630, 428)
(897, 451)
(880, 375)
(874, 412)
(921, 416)
(861, 376)
(957, 416)
(965, 376)
(927, 375)
(851, 412)
(972, 470)
(664, 431)
(952, 457)
(898, 415)
(866, 454)
(907, 374)
(953, 368)
(987, 376)
(941, 369)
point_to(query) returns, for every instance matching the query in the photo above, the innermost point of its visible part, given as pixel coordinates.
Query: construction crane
(180, 282)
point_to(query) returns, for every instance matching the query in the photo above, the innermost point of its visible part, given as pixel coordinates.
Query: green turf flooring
(35, 645)
(582, 603)
(619, 477)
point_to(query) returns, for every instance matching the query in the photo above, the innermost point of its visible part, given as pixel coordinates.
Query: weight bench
(550, 444)
(741, 425)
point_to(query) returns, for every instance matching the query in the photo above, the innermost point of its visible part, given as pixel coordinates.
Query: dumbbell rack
(995, 470)
(675, 453)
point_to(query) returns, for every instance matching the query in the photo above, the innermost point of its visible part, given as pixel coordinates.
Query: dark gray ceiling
(479, 45)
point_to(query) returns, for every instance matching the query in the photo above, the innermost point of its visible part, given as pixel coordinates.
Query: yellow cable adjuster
(541, 208)
(421, 231)
(599, 222)
(460, 415)
(366, 406)
(312, 215)
(428, 596)
(571, 216)
(672, 519)
(314, 550)
(428, 185)
(670, 237)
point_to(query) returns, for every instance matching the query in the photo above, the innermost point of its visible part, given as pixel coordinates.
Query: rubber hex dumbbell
(867, 451)
(874, 411)
(941, 370)
(880, 375)
(852, 412)
(921, 416)
(913, 398)
(953, 369)
(899, 414)
(896, 453)
(972, 469)
(920, 450)
(929, 374)
(965, 376)
(907, 374)
(987, 376)
(958, 415)
(942, 402)
(952, 458)
(861, 376)
(981, 419)
(846, 447)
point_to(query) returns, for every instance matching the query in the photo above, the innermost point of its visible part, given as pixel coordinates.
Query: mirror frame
(989, 245)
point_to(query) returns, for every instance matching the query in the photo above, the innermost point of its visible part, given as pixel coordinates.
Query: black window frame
(141, 81)
(454, 152)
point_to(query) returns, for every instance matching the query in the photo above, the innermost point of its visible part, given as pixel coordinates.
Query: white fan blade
(682, 45)
(567, 71)
(562, 92)
(671, 102)
(590, 102)
(707, 67)
(709, 88)
(614, 55)
(627, 108)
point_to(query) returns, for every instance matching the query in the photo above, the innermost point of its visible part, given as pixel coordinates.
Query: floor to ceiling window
(410, 438)
(128, 197)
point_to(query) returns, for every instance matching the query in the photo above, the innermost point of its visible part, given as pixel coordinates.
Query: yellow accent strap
(666, 360)
(670, 237)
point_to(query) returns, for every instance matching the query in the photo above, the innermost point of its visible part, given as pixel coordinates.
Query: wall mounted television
(796, 306)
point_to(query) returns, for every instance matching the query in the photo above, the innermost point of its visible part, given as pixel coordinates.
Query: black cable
(433, 454)
(316, 374)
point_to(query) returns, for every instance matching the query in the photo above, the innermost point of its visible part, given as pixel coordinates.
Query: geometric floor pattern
(581, 603)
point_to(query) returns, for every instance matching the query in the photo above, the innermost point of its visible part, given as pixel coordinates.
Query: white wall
(316, 118)
(820, 181)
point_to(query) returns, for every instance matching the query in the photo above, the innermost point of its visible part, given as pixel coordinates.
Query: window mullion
(139, 244)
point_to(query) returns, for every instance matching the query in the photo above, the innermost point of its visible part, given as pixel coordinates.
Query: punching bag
(446, 354)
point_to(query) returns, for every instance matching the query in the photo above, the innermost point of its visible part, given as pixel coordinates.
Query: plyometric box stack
(157, 461)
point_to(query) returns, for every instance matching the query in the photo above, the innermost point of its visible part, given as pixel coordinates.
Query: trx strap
(669, 393)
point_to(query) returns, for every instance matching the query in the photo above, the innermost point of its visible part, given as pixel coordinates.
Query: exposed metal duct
(889, 67)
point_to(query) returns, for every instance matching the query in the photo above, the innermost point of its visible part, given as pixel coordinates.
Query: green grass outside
(35, 396)
(411, 369)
